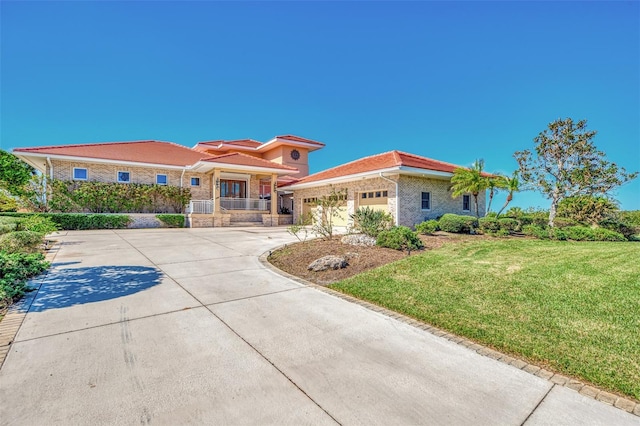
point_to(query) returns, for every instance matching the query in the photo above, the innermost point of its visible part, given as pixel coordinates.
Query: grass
(571, 307)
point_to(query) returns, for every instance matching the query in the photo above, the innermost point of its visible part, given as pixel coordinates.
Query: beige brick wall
(353, 189)
(410, 190)
(63, 170)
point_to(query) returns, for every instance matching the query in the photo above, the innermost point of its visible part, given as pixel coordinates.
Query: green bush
(21, 241)
(399, 238)
(489, 225)
(427, 227)
(535, 231)
(457, 223)
(580, 233)
(15, 270)
(37, 223)
(80, 221)
(602, 234)
(509, 224)
(371, 222)
(172, 220)
(559, 234)
(621, 227)
(631, 217)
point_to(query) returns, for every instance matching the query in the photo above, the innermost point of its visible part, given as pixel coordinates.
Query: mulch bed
(295, 258)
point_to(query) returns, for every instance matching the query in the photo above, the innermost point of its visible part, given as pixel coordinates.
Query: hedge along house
(231, 182)
(410, 187)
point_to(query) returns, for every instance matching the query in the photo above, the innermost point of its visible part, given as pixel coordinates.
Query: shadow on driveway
(68, 287)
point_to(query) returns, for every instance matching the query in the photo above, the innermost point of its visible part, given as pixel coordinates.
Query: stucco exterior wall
(63, 170)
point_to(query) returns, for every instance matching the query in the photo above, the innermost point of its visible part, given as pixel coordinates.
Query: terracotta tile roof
(153, 152)
(299, 139)
(248, 160)
(382, 161)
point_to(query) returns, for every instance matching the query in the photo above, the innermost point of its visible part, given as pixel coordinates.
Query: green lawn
(572, 307)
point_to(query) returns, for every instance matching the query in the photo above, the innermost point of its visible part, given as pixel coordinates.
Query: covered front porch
(241, 195)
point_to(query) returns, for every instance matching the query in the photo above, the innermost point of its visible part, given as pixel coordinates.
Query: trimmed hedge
(81, 221)
(459, 224)
(172, 220)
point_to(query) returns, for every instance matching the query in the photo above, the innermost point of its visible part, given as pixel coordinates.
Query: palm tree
(495, 183)
(513, 185)
(471, 180)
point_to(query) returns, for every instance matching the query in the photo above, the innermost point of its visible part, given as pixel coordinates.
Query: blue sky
(454, 81)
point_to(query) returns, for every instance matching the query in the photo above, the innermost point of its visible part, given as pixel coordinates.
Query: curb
(587, 390)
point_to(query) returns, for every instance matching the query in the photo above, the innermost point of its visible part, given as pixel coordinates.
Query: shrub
(488, 225)
(580, 233)
(80, 221)
(602, 234)
(172, 220)
(631, 217)
(557, 234)
(535, 231)
(399, 238)
(371, 222)
(457, 223)
(508, 224)
(427, 227)
(621, 227)
(20, 241)
(15, 269)
(586, 209)
(37, 223)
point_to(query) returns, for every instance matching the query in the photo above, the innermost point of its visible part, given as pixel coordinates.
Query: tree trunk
(490, 200)
(509, 198)
(555, 198)
(475, 198)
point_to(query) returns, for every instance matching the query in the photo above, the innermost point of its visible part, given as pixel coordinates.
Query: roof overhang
(276, 142)
(39, 161)
(207, 166)
(401, 170)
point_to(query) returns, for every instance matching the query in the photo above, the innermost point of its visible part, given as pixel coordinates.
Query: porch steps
(245, 224)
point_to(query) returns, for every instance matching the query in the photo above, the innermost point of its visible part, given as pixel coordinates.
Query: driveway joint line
(239, 336)
(222, 302)
(538, 404)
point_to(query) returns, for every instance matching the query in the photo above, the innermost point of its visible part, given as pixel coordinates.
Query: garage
(309, 205)
(376, 200)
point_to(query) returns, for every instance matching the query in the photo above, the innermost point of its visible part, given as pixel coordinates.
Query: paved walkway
(186, 326)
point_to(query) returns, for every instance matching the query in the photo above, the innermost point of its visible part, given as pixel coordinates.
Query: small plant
(328, 208)
(459, 224)
(38, 223)
(172, 220)
(15, 269)
(371, 222)
(21, 241)
(427, 227)
(399, 238)
(299, 229)
(580, 233)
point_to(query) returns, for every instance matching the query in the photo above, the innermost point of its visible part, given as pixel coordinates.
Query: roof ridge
(96, 143)
(427, 158)
(346, 164)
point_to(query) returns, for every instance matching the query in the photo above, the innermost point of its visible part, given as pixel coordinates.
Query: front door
(233, 188)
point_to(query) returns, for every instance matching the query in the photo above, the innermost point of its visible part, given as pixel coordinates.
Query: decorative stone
(358, 240)
(327, 262)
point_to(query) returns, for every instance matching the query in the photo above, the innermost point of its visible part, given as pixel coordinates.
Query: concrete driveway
(186, 326)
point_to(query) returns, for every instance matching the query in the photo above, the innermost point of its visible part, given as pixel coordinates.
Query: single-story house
(410, 187)
(247, 181)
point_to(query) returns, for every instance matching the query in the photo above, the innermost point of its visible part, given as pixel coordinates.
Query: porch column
(274, 194)
(216, 191)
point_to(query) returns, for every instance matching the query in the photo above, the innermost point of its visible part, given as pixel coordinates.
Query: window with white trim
(80, 173)
(195, 181)
(426, 201)
(466, 203)
(124, 177)
(161, 179)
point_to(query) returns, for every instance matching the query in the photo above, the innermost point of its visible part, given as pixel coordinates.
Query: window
(79, 174)
(195, 181)
(161, 179)
(124, 177)
(364, 195)
(466, 203)
(426, 201)
(385, 193)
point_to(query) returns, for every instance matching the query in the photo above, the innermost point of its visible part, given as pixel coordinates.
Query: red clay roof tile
(248, 160)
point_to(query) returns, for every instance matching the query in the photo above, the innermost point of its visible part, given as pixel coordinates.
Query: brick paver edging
(625, 404)
(12, 321)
